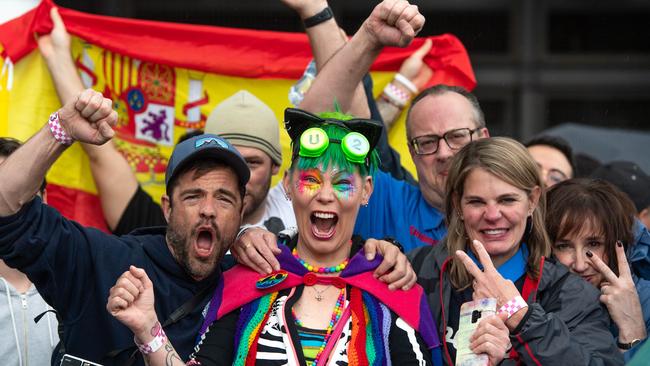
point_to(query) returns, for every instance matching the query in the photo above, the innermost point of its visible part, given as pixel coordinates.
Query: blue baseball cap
(207, 146)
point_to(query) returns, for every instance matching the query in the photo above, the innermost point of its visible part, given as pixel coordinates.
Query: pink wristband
(396, 95)
(57, 130)
(513, 306)
(154, 345)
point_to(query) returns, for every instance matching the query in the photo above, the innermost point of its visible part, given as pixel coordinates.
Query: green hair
(334, 154)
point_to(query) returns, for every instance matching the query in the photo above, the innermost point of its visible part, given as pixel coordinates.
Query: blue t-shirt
(397, 209)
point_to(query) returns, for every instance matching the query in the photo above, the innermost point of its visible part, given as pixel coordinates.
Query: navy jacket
(74, 267)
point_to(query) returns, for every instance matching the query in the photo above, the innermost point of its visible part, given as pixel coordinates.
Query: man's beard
(197, 268)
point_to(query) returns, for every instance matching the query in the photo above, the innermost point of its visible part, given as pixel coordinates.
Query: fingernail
(589, 254)
(369, 257)
(391, 287)
(619, 243)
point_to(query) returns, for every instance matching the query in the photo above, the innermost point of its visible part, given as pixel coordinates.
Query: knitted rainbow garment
(371, 321)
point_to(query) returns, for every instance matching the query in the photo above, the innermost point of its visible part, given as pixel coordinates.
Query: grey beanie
(244, 120)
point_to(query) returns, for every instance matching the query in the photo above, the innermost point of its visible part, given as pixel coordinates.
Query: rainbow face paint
(344, 184)
(311, 181)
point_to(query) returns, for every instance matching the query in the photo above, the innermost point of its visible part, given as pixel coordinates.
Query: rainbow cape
(237, 287)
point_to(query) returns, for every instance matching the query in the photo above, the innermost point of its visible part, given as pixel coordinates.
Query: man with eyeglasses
(441, 120)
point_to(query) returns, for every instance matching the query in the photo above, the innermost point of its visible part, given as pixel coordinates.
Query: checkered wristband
(396, 95)
(57, 130)
(513, 306)
(154, 345)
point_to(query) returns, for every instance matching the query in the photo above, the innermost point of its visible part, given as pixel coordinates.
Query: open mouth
(204, 242)
(323, 224)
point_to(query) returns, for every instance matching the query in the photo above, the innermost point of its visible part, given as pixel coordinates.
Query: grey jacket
(565, 323)
(24, 342)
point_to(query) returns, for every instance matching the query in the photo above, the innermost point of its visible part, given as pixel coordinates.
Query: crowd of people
(348, 259)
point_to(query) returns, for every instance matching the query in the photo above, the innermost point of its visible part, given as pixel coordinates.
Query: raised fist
(89, 118)
(131, 300)
(394, 23)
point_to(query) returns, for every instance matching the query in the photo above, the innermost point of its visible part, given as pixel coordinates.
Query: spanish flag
(165, 78)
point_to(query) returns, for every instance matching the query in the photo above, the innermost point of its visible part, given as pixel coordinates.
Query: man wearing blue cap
(74, 267)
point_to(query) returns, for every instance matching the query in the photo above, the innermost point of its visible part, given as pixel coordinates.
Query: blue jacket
(639, 257)
(74, 267)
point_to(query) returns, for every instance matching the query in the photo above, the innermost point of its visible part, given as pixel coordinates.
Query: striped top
(310, 341)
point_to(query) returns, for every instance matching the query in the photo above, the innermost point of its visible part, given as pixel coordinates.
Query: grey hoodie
(24, 342)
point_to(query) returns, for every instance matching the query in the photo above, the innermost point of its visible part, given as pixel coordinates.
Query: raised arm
(326, 38)
(112, 174)
(88, 118)
(391, 23)
(412, 76)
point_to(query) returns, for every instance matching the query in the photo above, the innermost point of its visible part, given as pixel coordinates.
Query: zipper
(23, 302)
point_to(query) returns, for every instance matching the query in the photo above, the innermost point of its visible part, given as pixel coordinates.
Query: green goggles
(314, 141)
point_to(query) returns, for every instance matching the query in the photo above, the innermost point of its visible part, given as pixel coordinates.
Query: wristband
(57, 130)
(397, 96)
(406, 82)
(243, 228)
(323, 16)
(154, 345)
(513, 306)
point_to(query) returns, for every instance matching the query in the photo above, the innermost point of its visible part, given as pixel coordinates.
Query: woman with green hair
(324, 307)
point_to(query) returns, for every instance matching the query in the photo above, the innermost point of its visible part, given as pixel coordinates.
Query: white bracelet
(245, 227)
(406, 82)
(154, 345)
(513, 306)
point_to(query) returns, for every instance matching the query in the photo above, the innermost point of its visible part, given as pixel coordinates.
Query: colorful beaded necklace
(310, 268)
(336, 315)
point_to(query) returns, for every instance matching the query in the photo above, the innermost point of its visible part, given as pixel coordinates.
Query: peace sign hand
(620, 296)
(489, 283)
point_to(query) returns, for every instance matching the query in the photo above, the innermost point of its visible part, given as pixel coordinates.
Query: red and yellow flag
(165, 78)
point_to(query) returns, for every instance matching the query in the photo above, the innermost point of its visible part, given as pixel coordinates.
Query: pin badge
(271, 280)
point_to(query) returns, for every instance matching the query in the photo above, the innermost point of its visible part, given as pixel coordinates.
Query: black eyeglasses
(455, 139)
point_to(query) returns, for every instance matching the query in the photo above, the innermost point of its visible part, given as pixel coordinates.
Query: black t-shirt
(142, 211)
(457, 299)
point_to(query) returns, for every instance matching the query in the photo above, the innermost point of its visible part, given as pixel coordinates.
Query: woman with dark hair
(496, 248)
(591, 223)
(324, 307)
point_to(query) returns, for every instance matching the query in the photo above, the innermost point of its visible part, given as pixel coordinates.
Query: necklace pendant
(319, 297)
